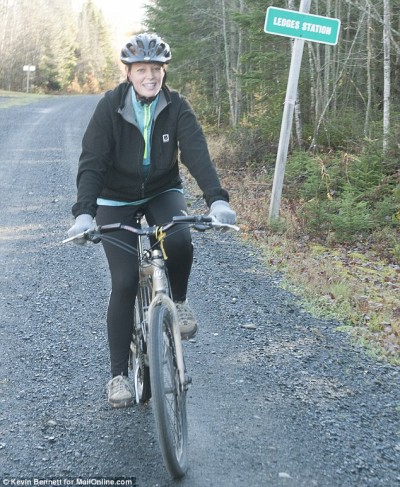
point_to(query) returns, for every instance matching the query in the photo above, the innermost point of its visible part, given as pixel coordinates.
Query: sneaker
(120, 393)
(187, 321)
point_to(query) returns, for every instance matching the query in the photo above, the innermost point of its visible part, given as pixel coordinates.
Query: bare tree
(386, 74)
(233, 42)
(369, 75)
(297, 108)
(336, 83)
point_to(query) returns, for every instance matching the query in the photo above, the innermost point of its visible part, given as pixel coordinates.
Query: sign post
(28, 68)
(302, 26)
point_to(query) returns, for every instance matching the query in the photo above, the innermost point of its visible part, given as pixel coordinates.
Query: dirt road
(278, 398)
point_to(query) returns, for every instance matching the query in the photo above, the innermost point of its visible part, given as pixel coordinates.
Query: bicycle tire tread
(175, 462)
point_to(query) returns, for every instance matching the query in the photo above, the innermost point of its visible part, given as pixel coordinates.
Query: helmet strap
(144, 100)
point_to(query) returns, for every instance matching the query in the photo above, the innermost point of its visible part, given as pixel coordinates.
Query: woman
(129, 163)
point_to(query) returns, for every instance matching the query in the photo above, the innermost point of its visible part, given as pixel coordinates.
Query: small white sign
(29, 67)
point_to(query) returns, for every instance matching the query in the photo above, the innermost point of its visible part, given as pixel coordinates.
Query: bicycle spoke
(168, 396)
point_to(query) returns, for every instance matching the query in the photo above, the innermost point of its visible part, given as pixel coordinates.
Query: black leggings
(124, 267)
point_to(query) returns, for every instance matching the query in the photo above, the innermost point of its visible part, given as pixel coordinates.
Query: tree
(96, 65)
(205, 39)
(56, 50)
(386, 74)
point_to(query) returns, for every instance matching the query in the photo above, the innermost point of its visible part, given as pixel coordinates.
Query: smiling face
(146, 78)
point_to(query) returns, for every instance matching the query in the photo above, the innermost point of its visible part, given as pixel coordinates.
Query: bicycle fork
(160, 297)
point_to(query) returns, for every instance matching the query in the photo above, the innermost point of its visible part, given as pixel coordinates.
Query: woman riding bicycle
(129, 164)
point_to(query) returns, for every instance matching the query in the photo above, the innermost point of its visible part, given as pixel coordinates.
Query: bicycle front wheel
(168, 394)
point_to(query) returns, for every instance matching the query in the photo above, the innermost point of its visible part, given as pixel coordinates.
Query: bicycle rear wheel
(169, 396)
(139, 355)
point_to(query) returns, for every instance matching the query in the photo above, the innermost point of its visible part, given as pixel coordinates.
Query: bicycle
(156, 352)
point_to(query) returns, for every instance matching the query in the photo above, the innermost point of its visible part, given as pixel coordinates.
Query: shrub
(353, 218)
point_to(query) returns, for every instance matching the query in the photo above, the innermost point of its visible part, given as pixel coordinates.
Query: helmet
(146, 48)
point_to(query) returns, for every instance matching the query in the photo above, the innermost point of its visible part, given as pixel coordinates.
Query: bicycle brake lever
(75, 237)
(225, 226)
(201, 227)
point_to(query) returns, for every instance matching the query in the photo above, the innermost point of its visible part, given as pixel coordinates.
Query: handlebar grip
(192, 219)
(112, 227)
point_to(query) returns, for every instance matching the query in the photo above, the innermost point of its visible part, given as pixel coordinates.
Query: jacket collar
(127, 111)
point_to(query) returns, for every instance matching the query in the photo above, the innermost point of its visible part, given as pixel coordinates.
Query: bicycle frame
(152, 265)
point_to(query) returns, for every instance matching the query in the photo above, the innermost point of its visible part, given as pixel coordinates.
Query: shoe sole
(121, 404)
(187, 335)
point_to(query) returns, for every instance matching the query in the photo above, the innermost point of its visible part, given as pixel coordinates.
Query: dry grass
(12, 98)
(354, 285)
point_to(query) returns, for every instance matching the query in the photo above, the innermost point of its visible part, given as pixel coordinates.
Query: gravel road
(278, 398)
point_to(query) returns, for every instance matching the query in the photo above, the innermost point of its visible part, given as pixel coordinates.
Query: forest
(71, 51)
(342, 177)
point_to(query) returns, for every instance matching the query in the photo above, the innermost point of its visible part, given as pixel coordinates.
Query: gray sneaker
(120, 393)
(187, 321)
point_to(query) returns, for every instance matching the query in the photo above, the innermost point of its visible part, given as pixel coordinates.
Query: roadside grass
(13, 98)
(350, 283)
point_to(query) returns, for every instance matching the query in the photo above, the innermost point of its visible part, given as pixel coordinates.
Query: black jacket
(111, 162)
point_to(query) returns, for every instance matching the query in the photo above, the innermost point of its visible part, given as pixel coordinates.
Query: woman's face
(146, 78)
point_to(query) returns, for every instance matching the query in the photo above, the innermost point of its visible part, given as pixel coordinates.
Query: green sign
(290, 23)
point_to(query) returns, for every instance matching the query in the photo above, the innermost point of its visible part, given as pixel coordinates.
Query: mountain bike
(156, 352)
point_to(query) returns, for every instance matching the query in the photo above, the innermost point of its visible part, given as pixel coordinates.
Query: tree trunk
(386, 75)
(369, 75)
(232, 39)
(297, 107)
(228, 72)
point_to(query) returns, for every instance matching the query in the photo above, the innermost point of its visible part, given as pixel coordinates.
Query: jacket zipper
(146, 122)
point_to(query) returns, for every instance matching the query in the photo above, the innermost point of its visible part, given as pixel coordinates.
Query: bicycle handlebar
(200, 223)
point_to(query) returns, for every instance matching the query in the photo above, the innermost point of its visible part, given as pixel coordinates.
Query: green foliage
(365, 172)
(341, 130)
(341, 195)
(313, 216)
(349, 217)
